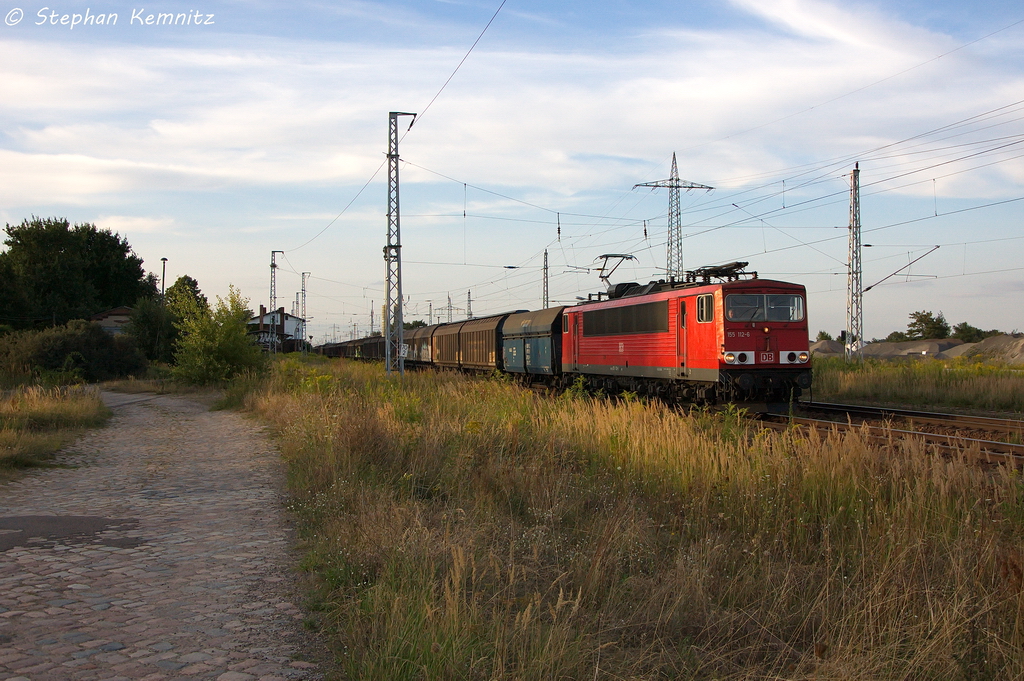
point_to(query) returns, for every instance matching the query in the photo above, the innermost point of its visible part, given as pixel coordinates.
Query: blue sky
(214, 144)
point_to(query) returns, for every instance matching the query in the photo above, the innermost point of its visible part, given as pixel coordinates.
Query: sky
(250, 127)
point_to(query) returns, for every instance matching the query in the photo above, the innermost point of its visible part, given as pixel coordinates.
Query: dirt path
(160, 552)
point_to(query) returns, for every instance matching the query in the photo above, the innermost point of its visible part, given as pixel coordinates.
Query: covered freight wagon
(532, 342)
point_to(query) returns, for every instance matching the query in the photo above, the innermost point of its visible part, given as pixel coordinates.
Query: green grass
(36, 422)
(468, 529)
(938, 383)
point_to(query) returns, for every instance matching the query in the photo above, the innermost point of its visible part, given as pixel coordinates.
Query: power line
(860, 89)
(423, 111)
(469, 52)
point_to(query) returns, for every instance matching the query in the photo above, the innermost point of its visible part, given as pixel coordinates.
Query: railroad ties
(985, 439)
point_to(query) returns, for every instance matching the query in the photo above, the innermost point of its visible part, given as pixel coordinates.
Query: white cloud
(134, 224)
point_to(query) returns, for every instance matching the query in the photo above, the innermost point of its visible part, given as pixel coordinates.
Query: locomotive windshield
(764, 308)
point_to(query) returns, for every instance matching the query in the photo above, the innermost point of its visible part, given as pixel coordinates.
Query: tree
(823, 335)
(215, 346)
(53, 272)
(151, 327)
(73, 352)
(415, 324)
(154, 322)
(972, 334)
(924, 325)
(184, 296)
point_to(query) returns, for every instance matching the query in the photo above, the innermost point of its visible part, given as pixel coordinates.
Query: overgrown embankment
(36, 422)
(469, 529)
(935, 383)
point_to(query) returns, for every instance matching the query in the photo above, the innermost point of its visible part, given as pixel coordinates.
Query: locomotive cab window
(764, 308)
(682, 314)
(565, 323)
(706, 308)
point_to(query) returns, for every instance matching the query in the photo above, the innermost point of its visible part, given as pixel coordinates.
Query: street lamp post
(163, 277)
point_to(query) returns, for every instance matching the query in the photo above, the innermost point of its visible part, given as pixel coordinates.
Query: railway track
(985, 439)
(962, 421)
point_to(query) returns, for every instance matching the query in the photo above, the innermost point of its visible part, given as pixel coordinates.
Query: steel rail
(989, 451)
(935, 418)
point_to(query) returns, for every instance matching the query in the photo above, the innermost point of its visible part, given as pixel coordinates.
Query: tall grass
(945, 383)
(468, 529)
(35, 422)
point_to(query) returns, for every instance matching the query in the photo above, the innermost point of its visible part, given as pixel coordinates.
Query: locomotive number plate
(767, 358)
(737, 334)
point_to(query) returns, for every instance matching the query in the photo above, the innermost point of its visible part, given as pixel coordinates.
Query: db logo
(767, 357)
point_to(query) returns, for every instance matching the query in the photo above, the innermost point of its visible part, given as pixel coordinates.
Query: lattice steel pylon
(394, 357)
(273, 280)
(674, 247)
(855, 285)
(302, 312)
(546, 301)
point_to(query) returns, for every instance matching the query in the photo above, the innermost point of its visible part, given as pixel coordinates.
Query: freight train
(721, 335)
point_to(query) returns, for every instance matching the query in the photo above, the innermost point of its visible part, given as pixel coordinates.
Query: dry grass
(467, 529)
(939, 383)
(36, 422)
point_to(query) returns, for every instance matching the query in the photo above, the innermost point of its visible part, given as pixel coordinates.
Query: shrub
(214, 346)
(75, 352)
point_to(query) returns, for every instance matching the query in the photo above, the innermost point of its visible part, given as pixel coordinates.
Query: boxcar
(418, 341)
(444, 346)
(532, 342)
(480, 343)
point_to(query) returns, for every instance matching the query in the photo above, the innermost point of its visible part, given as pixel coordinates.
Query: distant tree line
(925, 325)
(54, 276)
(52, 272)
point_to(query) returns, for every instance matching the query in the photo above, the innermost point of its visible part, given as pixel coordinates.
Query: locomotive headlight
(730, 357)
(804, 357)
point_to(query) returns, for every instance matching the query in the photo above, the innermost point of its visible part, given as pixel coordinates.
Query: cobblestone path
(160, 551)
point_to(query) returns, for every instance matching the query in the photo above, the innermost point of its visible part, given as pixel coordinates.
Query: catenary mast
(394, 358)
(855, 285)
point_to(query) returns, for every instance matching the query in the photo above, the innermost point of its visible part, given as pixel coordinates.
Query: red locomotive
(742, 339)
(738, 339)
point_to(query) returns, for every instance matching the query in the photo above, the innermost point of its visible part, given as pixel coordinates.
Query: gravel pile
(1008, 348)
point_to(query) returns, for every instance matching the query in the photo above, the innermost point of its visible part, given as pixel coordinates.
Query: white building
(278, 329)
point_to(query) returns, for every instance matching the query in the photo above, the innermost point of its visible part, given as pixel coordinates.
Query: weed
(36, 422)
(467, 528)
(938, 383)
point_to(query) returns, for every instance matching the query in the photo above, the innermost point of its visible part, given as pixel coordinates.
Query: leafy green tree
(968, 333)
(896, 337)
(414, 324)
(925, 325)
(972, 334)
(184, 296)
(151, 326)
(823, 335)
(215, 346)
(53, 272)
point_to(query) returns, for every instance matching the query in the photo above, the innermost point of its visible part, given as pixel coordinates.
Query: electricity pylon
(674, 257)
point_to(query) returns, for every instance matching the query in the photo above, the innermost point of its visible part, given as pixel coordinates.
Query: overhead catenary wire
(977, 149)
(420, 115)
